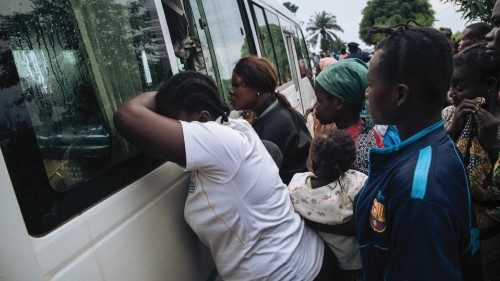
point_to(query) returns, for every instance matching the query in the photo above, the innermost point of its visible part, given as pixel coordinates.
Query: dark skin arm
(347, 228)
(488, 132)
(157, 135)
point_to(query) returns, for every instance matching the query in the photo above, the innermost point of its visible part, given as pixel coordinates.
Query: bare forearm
(157, 135)
(347, 228)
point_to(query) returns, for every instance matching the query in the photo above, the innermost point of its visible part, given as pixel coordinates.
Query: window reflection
(228, 37)
(279, 47)
(264, 34)
(76, 61)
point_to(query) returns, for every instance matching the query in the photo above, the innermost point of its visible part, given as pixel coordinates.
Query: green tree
(380, 13)
(290, 6)
(322, 27)
(457, 36)
(474, 10)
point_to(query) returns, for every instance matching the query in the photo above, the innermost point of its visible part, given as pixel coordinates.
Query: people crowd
(399, 186)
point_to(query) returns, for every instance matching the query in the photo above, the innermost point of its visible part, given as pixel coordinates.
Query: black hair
(334, 153)
(420, 57)
(191, 91)
(479, 30)
(260, 74)
(475, 63)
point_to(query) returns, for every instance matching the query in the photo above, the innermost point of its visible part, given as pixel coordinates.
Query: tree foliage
(474, 10)
(322, 27)
(379, 13)
(290, 6)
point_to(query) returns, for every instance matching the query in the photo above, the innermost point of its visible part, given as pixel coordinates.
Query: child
(414, 218)
(325, 194)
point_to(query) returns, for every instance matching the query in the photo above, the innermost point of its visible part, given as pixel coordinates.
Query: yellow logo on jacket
(377, 216)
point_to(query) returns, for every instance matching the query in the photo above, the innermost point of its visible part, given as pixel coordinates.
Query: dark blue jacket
(414, 216)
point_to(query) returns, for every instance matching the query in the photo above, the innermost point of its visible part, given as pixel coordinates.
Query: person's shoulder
(298, 181)
(438, 177)
(355, 175)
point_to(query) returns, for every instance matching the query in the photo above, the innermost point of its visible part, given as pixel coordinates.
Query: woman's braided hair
(190, 91)
(417, 56)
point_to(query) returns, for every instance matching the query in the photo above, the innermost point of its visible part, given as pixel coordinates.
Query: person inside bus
(324, 197)
(236, 203)
(414, 218)
(472, 122)
(253, 88)
(340, 97)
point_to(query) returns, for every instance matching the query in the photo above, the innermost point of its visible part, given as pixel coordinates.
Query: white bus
(77, 202)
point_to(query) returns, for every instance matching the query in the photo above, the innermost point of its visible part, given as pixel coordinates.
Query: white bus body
(77, 201)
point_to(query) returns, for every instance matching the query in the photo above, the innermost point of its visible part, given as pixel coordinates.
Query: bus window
(68, 65)
(302, 56)
(264, 35)
(227, 34)
(188, 38)
(279, 48)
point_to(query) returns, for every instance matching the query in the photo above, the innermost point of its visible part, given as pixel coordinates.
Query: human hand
(466, 108)
(308, 111)
(487, 125)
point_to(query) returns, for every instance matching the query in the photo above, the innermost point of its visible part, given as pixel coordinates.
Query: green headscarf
(345, 79)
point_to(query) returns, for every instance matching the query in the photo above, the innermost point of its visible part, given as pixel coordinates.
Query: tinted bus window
(279, 47)
(264, 34)
(301, 49)
(228, 37)
(68, 65)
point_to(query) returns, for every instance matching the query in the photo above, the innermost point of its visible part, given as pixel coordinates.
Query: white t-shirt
(330, 204)
(240, 209)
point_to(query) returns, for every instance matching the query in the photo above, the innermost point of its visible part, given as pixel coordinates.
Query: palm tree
(322, 25)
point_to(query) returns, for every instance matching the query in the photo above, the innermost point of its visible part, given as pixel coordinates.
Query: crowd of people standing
(414, 198)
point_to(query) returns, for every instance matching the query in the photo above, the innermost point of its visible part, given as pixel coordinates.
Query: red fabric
(357, 128)
(324, 62)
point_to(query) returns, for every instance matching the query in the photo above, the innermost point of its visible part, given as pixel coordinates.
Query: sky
(348, 15)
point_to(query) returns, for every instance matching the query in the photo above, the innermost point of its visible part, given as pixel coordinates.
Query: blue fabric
(391, 136)
(421, 173)
(414, 217)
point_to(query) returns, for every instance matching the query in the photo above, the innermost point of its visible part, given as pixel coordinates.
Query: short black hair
(334, 153)
(418, 56)
(479, 30)
(190, 91)
(475, 63)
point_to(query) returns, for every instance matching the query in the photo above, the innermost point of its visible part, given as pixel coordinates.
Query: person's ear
(402, 94)
(340, 103)
(204, 116)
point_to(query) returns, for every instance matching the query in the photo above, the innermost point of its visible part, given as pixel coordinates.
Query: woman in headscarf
(340, 93)
(253, 88)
